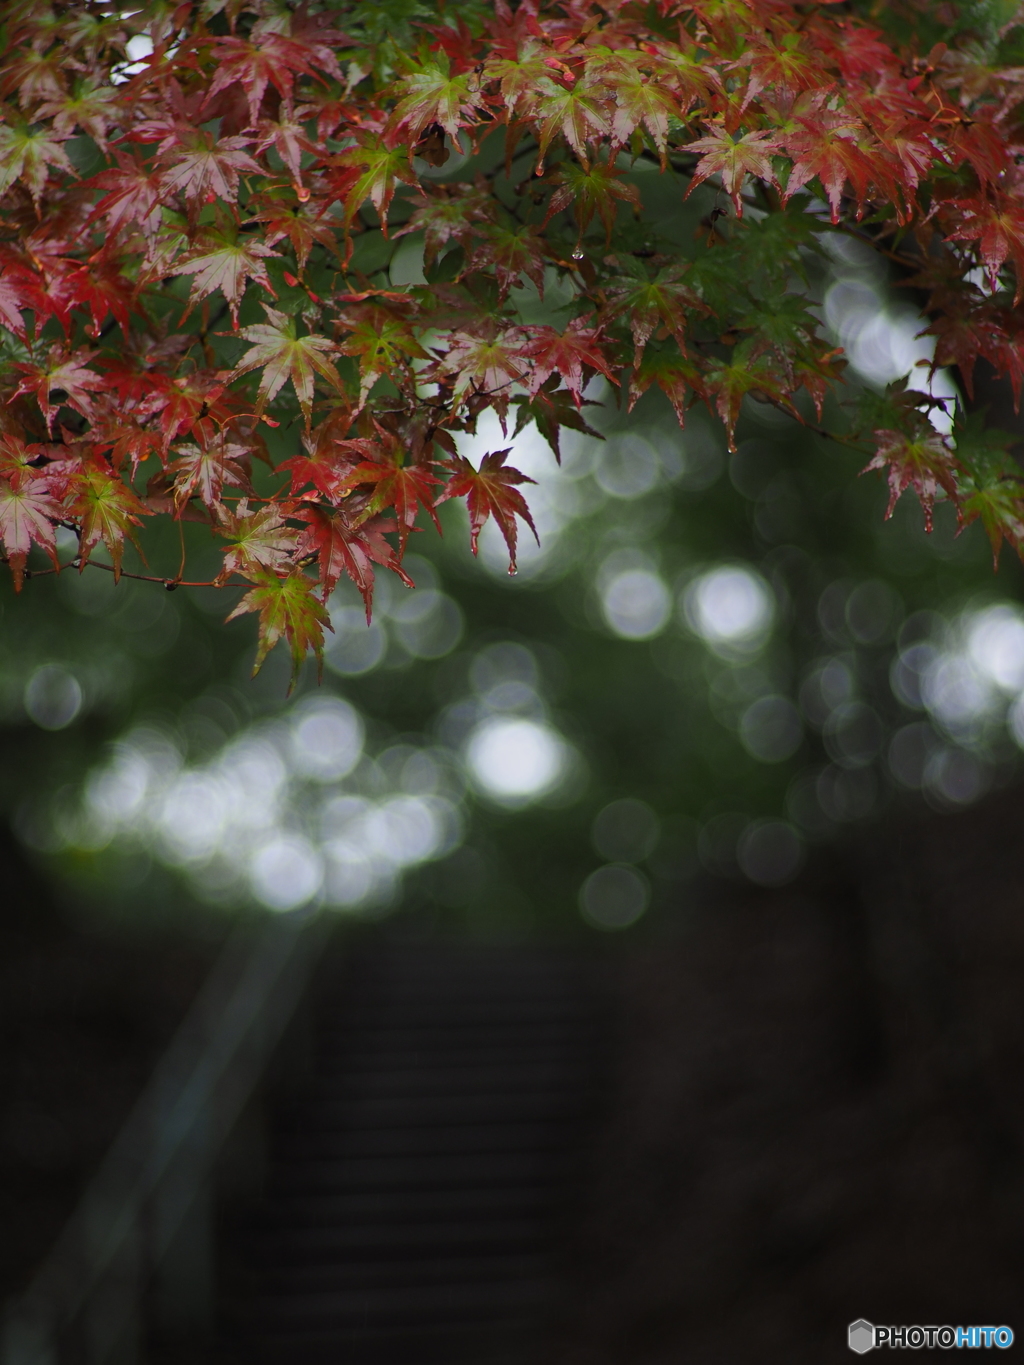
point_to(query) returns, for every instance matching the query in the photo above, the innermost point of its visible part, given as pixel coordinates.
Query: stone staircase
(420, 1178)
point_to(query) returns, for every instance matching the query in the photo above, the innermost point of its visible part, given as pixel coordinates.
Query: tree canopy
(198, 205)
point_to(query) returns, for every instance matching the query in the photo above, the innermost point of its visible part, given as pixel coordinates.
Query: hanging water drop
(577, 255)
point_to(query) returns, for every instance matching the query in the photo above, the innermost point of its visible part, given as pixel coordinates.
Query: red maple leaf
(733, 159)
(490, 491)
(341, 547)
(65, 379)
(134, 194)
(28, 512)
(572, 354)
(997, 225)
(273, 59)
(405, 487)
(828, 146)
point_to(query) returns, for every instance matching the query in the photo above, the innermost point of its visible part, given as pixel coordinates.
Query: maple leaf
(552, 408)
(187, 401)
(282, 355)
(576, 113)
(650, 304)
(134, 194)
(998, 503)
(325, 463)
(28, 512)
(489, 364)
(343, 548)
(382, 339)
(928, 464)
(490, 491)
(829, 147)
(512, 252)
(203, 169)
(570, 353)
(107, 510)
(519, 72)
(597, 188)
(676, 376)
(726, 386)
(302, 224)
(371, 171)
(65, 379)
(433, 95)
(36, 75)
(203, 470)
(997, 225)
(405, 487)
(12, 301)
(92, 107)
(27, 151)
(639, 99)
(101, 286)
(223, 260)
(991, 489)
(273, 60)
(787, 69)
(287, 610)
(260, 540)
(449, 213)
(733, 159)
(962, 338)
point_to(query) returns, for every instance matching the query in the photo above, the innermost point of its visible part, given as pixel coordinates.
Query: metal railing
(86, 1304)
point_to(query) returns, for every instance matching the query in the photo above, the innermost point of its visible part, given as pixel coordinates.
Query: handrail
(89, 1290)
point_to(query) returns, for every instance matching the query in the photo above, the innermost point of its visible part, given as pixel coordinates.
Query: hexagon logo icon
(862, 1336)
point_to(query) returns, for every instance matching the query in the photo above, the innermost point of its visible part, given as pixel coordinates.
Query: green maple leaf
(223, 260)
(989, 482)
(260, 540)
(372, 171)
(726, 386)
(649, 304)
(676, 376)
(597, 188)
(282, 356)
(27, 151)
(383, 341)
(998, 503)
(287, 610)
(107, 510)
(433, 95)
(576, 113)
